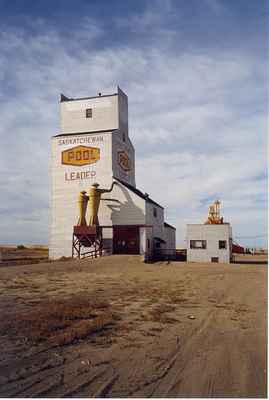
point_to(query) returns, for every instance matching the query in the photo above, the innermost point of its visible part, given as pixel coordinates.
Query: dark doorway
(126, 240)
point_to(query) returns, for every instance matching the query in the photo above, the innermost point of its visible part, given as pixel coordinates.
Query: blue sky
(196, 76)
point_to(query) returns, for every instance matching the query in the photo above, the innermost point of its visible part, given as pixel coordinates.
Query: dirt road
(168, 330)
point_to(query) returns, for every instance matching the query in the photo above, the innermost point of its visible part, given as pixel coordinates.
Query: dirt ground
(116, 327)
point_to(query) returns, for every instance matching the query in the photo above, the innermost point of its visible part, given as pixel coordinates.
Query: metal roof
(85, 133)
(138, 192)
(64, 98)
(169, 226)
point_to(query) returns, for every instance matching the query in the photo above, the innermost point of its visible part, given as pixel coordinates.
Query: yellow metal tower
(214, 214)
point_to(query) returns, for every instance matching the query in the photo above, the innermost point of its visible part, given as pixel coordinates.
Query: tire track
(174, 379)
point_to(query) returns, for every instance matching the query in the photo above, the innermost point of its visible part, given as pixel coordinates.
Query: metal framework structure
(87, 237)
(87, 241)
(214, 217)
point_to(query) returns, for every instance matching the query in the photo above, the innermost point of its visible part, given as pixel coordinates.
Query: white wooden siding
(130, 209)
(119, 145)
(108, 113)
(105, 115)
(64, 195)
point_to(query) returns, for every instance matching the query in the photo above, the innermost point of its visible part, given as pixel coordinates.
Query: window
(158, 245)
(222, 244)
(215, 259)
(88, 112)
(123, 137)
(155, 212)
(148, 241)
(198, 244)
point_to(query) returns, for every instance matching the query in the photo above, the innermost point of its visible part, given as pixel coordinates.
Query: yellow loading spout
(214, 214)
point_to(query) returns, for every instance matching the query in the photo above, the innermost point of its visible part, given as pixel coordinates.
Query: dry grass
(60, 322)
(22, 255)
(159, 314)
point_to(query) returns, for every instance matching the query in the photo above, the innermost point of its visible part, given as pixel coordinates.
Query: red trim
(127, 226)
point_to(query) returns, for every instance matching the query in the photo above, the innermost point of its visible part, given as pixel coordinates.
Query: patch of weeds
(17, 283)
(60, 322)
(158, 314)
(157, 329)
(151, 301)
(241, 309)
(178, 299)
(132, 345)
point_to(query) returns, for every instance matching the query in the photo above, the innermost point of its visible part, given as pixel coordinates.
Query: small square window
(89, 113)
(222, 244)
(155, 212)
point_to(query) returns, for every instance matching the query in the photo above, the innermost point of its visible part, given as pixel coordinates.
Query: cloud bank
(197, 119)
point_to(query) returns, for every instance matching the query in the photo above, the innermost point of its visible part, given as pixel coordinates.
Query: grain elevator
(94, 147)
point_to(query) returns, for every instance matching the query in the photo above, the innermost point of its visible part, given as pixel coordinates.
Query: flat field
(116, 327)
(12, 255)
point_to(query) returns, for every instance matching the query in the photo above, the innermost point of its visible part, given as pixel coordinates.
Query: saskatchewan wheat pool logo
(124, 161)
(80, 155)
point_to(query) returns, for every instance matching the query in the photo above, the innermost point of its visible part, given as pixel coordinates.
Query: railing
(96, 253)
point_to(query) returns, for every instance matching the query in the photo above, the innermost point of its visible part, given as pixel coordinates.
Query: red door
(126, 240)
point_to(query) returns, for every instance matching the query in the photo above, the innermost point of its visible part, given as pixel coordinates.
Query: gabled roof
(138, 192)
(169, 226)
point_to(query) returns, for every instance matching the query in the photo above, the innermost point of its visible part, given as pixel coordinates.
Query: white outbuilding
(211, 241)
(93, 145)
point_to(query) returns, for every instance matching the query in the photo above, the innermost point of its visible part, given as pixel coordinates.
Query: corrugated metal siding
(157, 222)
(169, 237)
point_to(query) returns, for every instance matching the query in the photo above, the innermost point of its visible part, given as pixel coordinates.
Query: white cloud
(197, 121)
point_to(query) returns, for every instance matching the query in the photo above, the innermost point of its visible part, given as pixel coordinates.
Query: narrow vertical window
(89, 113)
(222, 244)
